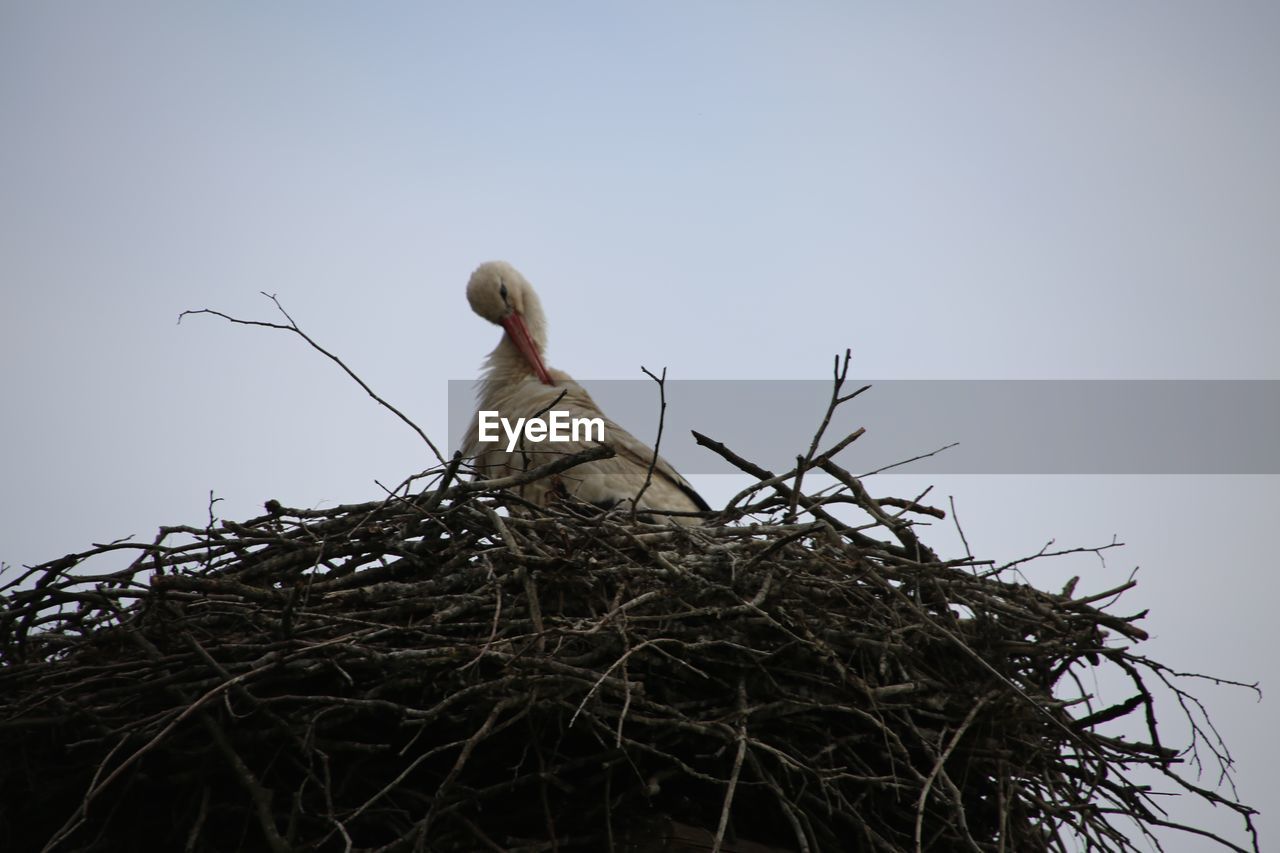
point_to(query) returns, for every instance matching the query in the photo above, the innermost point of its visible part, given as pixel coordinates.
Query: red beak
(519, 332)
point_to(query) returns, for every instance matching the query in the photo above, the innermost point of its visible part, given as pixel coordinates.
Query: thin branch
(291, 326)
(657, 441)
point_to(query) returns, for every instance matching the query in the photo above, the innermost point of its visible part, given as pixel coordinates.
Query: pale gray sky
(733, 190)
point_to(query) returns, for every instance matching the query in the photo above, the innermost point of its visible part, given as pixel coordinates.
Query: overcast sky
(732, 190)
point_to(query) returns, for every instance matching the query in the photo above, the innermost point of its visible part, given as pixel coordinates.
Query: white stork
(517, 384)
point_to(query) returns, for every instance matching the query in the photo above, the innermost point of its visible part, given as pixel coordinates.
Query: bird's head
(500, 294)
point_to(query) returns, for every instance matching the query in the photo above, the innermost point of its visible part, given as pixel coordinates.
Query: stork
(516, 383)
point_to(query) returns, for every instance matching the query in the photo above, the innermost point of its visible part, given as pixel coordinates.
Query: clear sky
(729, 189)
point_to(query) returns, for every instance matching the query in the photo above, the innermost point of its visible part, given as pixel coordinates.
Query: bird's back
(603, 482)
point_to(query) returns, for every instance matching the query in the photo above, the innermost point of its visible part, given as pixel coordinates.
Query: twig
(657, 441)
(737, 768)
(937, 767)
(291, 326)
(840, 372)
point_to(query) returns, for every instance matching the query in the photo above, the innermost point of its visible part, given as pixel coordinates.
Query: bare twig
(657, 441)
(291, 326)
(737, 769)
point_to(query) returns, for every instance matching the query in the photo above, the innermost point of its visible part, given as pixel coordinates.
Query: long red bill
(519, 332)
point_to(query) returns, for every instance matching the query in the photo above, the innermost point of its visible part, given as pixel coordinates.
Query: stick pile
(452, 670)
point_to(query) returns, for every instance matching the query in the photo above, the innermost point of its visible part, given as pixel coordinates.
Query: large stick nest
(450, 669)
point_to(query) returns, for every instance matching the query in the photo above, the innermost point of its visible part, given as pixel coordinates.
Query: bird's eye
(502, 291)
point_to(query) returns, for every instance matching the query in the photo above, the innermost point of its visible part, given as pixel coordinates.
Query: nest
(450, 669)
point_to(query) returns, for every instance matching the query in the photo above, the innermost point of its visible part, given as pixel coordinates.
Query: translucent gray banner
(998, 426)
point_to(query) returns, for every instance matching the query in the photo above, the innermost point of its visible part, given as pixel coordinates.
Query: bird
(516, 383)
